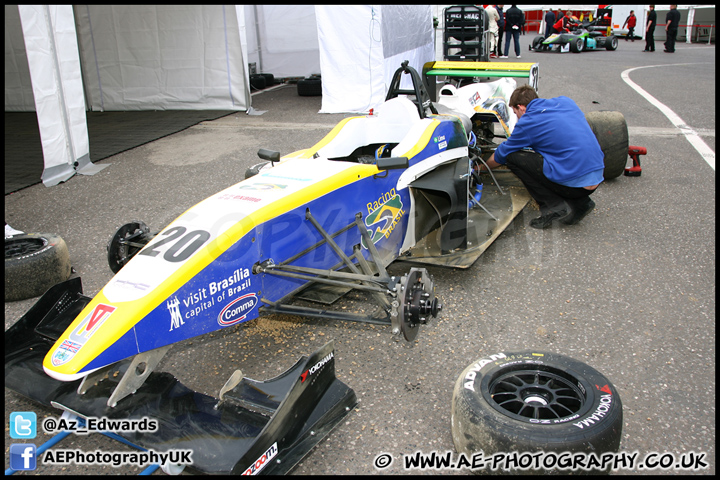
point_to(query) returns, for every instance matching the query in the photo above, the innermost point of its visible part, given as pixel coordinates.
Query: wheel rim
(537, 394)
(23, 246)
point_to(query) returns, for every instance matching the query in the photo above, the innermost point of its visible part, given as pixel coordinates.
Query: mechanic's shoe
(545, 221)
(580, 209)
(518, 56)
(503, 56)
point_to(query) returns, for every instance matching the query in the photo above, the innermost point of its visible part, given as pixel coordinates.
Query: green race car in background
(578, 37)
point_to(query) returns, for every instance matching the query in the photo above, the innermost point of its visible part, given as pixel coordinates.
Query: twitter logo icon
(23, 425)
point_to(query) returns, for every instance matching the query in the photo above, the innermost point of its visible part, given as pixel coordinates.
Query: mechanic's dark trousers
(670, 42)
(650, 40)
(499, 48)
(550, 196)
(513, 35)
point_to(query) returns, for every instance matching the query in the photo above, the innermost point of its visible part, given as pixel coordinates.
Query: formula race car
(576, 38)
(298, 233)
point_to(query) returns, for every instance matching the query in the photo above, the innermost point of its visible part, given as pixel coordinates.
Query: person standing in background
(630, 21)
(514, 20)
(549, 22)
(493, 17)
(501, 28)
(650, 30)
(672, 21)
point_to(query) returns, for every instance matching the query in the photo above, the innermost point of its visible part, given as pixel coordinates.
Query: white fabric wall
(361, 46)
(283, 39)
(52, 53)
(162, 57)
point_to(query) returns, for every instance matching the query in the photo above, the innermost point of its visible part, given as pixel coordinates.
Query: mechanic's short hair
(523, 95)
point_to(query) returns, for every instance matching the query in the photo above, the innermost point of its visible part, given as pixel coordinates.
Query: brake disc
(417, 302)
(127, 241)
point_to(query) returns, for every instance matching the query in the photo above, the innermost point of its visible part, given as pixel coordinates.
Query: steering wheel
(422, 98)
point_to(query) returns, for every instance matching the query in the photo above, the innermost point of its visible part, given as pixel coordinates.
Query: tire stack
(310, 86)
(261, 81)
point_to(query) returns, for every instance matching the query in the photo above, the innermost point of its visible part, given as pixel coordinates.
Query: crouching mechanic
(566, 164)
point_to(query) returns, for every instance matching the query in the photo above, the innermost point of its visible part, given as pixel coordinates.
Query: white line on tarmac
(703, 149)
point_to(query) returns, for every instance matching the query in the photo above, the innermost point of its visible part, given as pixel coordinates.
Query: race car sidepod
(253, 427)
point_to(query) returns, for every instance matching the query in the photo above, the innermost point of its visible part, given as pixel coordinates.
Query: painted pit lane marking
(698, 143)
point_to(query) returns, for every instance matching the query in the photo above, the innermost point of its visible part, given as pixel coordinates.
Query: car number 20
(180, 245)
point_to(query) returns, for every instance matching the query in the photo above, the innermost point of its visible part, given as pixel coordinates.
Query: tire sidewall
(480, 425)
(32, 274)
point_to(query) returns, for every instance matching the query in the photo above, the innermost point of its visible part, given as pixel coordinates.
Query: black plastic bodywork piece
(258, 427)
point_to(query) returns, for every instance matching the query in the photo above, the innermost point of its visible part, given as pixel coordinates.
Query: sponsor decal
(316, 367)
(237, 310)
(470, 377)
(245, 198)
(261, 462)
(176, 319)
(270, 175)
(91, 323)
(385, 216)
(474, 99)
(218, 292)
(64, 353)
(262, 186)
(82, 333)
(599, 413)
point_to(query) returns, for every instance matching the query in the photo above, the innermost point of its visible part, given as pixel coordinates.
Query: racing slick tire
(611, 131)
(34, 262)
(531, 402)
(537, 43)
(577, 45)
(310, 87)
(611, 43)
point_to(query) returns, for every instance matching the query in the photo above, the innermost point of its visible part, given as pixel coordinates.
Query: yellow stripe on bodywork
(196, 264)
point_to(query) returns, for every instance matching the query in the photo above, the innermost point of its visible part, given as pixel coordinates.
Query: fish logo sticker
(385, 218)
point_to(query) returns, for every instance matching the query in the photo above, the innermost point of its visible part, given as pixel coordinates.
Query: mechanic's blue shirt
(556, 128)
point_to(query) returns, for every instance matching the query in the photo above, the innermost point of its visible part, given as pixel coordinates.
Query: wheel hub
(528, 394)
(417, 302)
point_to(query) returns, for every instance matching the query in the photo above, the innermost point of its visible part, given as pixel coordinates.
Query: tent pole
(257, 34)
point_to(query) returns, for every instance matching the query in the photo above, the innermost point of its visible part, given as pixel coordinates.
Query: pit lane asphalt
(630, 290)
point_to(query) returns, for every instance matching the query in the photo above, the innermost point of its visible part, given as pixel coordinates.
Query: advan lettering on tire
(534, 401)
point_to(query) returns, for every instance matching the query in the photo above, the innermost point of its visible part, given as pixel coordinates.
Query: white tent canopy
(66, 60)
(361, 49)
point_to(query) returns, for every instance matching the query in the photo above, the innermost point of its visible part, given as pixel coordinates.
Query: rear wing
(531, 71)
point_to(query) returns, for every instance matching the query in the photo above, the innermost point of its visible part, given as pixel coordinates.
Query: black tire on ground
(611, 131)
(537, 42)
(531, 402)
(254, 170)
(257, 82)
(310, 87)
(577, 45)
(34, 263)
(611, 43)
(269, 79)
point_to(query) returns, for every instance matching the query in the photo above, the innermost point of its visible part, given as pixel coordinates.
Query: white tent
(361, 49)
(65, 60)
